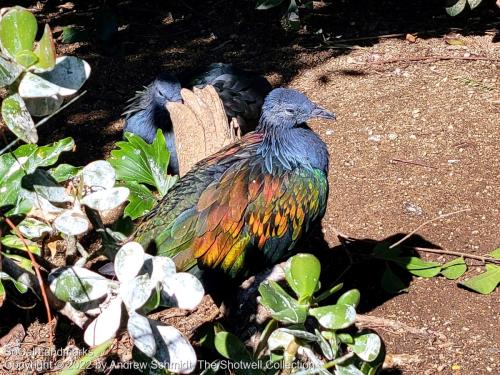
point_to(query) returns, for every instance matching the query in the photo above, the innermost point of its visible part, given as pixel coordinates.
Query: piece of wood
(200, 126)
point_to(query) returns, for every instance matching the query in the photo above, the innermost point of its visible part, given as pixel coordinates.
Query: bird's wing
(244, 207)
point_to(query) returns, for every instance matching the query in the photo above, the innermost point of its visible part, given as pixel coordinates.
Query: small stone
(412, 209)
(329, 132)
(375, 138)
(392, 136)
(452, 161)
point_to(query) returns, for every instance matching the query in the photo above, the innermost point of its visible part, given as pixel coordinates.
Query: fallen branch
(432, 58)
(424, 224)
(369, 321)
(484, 259)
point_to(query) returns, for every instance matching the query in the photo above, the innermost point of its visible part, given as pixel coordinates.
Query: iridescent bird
(246, 206)
(242, 93)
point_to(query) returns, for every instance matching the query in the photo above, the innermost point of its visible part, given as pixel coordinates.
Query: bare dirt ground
(414, 138)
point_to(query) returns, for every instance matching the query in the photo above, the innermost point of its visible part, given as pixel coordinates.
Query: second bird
(242, 93)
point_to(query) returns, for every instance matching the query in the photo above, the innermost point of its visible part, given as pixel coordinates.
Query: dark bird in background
(147, 113)
(246, 206)
(242, 93)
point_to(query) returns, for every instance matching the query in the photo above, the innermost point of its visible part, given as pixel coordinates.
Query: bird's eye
(289, 111)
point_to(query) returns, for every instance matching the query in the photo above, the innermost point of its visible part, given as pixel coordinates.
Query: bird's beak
(323, 113)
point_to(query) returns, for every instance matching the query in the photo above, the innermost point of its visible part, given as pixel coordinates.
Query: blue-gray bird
(246, 206)
(146, 112)
(242, 93)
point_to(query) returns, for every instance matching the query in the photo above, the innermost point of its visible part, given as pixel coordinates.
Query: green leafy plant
(486, 282)
(36, 80)
(302, 327)
(326, 339)
(290, 19)
(50, 201)
(143, 283)
(396, 258)
(141, 166)
(455, 7)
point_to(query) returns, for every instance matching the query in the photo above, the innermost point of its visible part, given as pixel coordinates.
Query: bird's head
(166, 88)
(288, 108)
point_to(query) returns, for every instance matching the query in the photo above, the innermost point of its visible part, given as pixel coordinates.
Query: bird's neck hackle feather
(278, 145)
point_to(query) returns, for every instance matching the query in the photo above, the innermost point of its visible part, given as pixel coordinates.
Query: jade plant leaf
(334, 316)
(140, 330)
(77, 285)
(351, 298)
(9, 71)
(367, 346)
(18, 29)
(128, 261)
(69, 74)
(174, 350)
(41, 96)
(104, 327)
(16, 116)
(46, 51)
(302, 274)
(100, 174)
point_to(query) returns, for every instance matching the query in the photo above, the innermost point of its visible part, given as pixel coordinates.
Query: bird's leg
(236, 126)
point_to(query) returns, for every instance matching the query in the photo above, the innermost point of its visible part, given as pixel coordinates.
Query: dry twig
(424, 224)
(370, 321)
(431, 59)
(420, 164)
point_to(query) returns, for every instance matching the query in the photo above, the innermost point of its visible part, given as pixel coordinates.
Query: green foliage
(139, 165)
(141, 282)
(455, 7)
(37, 82)
(326, 339)
(24, 161)
(484, 283)
(290, 19)
(82, 363)
(17, 32)
(454, 268)
(74, 34)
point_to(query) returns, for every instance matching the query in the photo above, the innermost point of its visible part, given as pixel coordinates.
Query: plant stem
(339, 360)
(289, 356)
(270, 327)
(37, 272)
